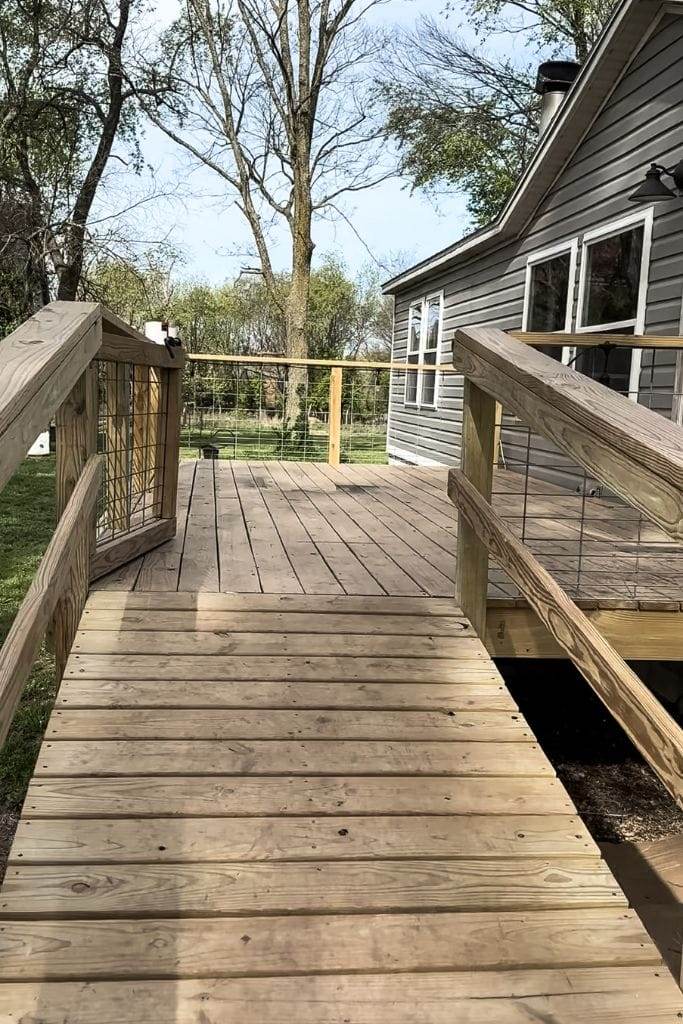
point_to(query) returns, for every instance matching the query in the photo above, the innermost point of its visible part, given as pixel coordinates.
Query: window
(424, 338)
(549, 291)
(612, 279)
(414, 336)
(612, 293)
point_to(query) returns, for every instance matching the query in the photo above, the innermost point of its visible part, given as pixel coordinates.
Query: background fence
(236, 409)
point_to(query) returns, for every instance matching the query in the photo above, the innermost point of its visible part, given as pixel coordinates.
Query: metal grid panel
(242, 411)
(593, 543)
(131, 436)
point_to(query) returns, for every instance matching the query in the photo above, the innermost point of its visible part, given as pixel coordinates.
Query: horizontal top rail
(41, 361)
(50, 581)
(347, 364)
(653, 731)
(590, 340)
(122, 343)
(632, 449)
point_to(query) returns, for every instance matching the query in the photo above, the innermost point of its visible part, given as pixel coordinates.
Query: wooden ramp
(265, 809)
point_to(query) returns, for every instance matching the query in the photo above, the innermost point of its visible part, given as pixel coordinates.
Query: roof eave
(620, 40)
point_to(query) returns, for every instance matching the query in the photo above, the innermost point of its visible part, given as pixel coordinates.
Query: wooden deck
(266, 809)
(302, 528)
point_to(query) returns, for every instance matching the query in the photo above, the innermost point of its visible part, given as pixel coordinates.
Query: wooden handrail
(49, 371)
(589, 340)
(347, 364)
(63, 568)
(42, 360)
(656, 735)
(40, 363)
(635, 451)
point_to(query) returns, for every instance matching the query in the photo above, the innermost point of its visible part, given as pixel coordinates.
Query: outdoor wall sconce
(653, 188)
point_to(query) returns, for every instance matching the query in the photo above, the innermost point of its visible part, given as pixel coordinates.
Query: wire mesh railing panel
(270, 411)
(365, 408)
(131, 434)
(595, 545)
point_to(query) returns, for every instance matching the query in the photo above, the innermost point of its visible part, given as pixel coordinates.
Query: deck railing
(633, 451)
(115, 398)
(235, 407)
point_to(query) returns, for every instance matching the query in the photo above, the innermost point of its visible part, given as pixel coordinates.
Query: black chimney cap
(556, 76)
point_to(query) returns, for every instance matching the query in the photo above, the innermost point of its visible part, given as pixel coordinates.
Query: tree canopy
(465, 115)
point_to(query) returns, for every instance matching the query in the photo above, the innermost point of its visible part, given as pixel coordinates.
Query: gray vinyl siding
(640, 123)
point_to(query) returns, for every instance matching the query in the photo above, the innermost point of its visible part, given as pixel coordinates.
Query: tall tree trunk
(296, 314)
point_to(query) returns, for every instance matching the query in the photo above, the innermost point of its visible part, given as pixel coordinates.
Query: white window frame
(645, 218)
(570, 245)
(423, 304)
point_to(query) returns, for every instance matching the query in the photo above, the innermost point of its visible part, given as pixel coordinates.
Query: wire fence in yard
(275, 411)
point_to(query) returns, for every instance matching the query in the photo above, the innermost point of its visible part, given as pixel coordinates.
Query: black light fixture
(653, 189)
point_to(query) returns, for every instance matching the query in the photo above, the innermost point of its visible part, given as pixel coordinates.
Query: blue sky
(208, 229)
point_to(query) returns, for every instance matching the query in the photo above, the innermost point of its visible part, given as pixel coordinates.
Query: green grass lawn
(27, 514)
(247, 440)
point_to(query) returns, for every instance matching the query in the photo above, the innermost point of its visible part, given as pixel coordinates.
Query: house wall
(640, 123)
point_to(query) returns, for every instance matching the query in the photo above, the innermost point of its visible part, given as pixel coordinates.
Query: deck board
(368, 530)
(220, 829)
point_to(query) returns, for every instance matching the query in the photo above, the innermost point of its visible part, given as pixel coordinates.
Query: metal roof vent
(554, 79)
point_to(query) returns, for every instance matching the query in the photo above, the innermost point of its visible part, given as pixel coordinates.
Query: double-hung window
(612, 293)
(424, 340)
(549, 293)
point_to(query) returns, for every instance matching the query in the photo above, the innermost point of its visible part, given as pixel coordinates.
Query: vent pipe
(553, 81)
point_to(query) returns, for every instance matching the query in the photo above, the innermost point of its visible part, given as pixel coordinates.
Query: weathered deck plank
(369, 530)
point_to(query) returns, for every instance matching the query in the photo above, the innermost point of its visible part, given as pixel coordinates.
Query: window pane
(433, 323)
(415, 328)
(612, 278)
(411, 387)
(609, 366)
(429, 380)
(548, 294)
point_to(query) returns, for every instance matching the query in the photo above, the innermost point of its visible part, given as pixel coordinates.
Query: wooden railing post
(173, 384)
(477, 455)
(335, 410)
(76, 441)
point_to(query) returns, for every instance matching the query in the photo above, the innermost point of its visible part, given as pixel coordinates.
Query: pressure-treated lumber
(293, 944)
(117, 552)
(188, 643)
(349, 364)
(627, 446)
(334, 416)
(214, 723)
(517, 837)
(572, 995)
(478, 689)
(298, 668)
(76, 442)
(378, 884)
(255, 621)
(292, 757)
(188, 796)
(478, 448)
(634, 633)
(172, 384)
(69, 542)
(40, 363)
(306, 830)
(640, 714)
(591, 340)
(129, 348)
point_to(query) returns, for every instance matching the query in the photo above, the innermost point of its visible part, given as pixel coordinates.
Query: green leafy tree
(67, 107)
(465, 118)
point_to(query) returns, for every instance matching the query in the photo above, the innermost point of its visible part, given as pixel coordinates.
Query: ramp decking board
(260, 835)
